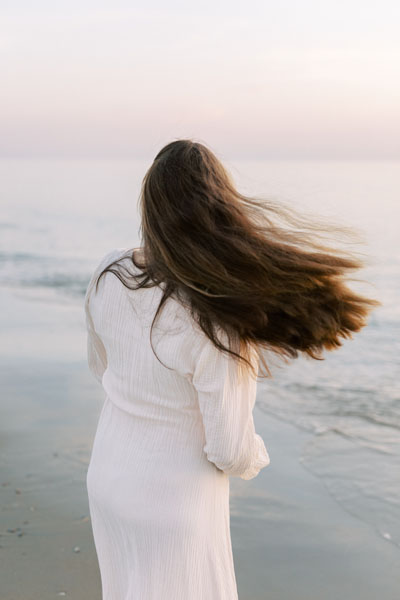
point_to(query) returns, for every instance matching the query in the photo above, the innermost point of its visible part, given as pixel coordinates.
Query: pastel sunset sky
(255, 79)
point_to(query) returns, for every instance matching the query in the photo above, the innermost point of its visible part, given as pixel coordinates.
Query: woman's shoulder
(112, 255)
(116, 254)
(106, 259)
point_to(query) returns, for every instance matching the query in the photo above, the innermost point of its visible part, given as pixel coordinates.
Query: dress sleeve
(226, 400)
(96, 352)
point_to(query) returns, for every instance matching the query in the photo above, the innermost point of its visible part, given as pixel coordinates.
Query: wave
(355, 450)
(23, 269)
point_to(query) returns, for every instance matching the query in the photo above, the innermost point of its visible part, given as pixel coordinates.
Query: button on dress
(168, 438)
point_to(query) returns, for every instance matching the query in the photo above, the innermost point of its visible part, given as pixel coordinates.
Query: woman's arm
(226, 401)
(96, 353)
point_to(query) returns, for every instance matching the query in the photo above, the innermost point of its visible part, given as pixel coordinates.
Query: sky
(259, 79)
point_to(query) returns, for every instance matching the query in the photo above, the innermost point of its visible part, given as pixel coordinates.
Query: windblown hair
(225, 256)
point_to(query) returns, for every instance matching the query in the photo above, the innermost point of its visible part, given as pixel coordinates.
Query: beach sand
(290, 538)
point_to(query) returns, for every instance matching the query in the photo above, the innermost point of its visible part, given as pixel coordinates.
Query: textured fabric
(168, 438)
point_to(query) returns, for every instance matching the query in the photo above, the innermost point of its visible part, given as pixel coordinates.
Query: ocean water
(59, 217)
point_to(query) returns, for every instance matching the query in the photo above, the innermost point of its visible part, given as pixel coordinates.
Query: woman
(176, 330)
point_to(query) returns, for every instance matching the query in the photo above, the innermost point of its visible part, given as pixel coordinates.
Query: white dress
(166, 443)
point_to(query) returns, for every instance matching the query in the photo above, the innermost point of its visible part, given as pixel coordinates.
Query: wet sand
(290, 538)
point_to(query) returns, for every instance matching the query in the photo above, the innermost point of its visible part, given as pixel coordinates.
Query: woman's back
(134, 379)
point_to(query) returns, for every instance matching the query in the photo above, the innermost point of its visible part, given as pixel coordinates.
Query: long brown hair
(227, 258)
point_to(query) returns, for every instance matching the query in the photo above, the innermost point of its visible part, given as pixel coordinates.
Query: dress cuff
(261, 459)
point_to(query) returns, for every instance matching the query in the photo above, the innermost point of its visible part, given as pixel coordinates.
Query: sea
(58, 217)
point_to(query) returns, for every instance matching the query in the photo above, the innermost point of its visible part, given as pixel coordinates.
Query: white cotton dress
(166, 442)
